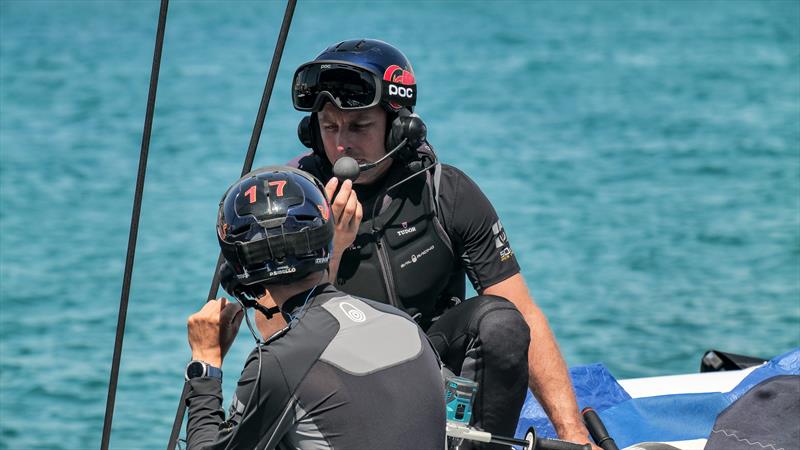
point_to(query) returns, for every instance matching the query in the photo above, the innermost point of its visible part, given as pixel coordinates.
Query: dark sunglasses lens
(305, 89)
(350, 87)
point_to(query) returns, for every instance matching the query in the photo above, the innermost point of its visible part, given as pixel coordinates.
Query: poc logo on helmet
(401, 91)
(400, 86)
(353, 313)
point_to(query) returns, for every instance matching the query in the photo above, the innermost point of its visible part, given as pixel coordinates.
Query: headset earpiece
(227, 279)
(229, 282)
(308, 133)
(406, 126)
(304, 132)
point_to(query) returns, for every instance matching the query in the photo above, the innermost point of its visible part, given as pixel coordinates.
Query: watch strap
(209, 371)
(213, 372)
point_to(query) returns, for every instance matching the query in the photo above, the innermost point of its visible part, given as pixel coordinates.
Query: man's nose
(342, 143)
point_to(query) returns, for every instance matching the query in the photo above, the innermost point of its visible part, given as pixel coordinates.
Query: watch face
(194, 369)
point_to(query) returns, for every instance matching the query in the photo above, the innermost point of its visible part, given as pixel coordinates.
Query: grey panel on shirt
(304, 434)
(393, 339)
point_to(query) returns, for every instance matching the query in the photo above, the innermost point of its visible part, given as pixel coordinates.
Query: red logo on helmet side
(401, 86)
(397, 74)
(324, 210)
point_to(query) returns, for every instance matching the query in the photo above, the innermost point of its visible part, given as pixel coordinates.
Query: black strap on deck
(248, 165)
(134, 230)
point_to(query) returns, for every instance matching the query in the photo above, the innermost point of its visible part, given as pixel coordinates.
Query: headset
(405, 126)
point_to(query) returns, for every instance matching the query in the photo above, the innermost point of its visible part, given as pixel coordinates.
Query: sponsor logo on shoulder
(500, 238)
(501, 241)
(352, 313)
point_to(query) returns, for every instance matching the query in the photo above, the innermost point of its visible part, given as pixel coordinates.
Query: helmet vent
(239, 230)
(304, 218)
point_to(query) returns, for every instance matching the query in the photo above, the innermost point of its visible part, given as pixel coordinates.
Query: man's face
(357, 134)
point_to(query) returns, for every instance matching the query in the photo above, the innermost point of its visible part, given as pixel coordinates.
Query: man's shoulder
(453, 172)
(454, 181)
(454, 187)
(311, 163)
(338, 296)
(386, 308)
(300, 160)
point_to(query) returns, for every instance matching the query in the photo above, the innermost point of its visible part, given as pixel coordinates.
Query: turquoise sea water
(644, 158)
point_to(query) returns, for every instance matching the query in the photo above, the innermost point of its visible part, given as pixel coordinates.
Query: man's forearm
(547, 372)
(205, 412)
(548, 376)
(207, 428)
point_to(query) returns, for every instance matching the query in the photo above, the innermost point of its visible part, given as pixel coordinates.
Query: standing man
(410, 230)
(346, 373)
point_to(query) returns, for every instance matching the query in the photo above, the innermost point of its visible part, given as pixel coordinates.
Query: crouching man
(346, 373)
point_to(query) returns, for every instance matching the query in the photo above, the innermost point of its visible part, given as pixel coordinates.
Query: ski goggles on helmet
(350, 87)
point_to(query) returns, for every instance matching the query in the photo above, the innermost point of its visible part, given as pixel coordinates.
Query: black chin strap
(268, 312)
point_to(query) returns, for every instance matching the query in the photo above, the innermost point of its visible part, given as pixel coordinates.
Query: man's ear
(309, 135)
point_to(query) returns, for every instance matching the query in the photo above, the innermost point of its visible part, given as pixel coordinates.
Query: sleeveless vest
(402, 256)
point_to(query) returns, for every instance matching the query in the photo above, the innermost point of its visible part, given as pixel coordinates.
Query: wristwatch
(198, 369)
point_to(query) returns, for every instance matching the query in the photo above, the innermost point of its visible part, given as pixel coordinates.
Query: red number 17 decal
(251, 193)
(280, 184)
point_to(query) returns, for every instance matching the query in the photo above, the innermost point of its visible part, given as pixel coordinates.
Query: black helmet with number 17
(274, 227)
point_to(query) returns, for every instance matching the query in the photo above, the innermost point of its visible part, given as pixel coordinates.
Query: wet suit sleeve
(477, 234)
(207, 428)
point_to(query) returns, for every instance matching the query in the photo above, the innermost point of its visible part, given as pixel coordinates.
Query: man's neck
(368, 194)
(281, 293)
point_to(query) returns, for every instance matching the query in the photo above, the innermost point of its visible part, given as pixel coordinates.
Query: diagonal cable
(134, 230)
(248, 165)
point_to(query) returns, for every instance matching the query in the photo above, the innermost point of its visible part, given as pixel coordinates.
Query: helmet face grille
(274, 226)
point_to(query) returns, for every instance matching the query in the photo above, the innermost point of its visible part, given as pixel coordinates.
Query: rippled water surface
(643, 156)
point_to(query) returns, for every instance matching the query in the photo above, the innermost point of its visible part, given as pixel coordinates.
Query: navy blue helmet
(274, 227)
(356, 74)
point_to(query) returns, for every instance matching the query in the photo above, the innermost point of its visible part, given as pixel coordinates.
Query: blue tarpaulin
(651, 419)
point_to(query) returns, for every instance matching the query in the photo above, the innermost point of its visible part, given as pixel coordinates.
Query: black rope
(261, 116)
(134, 231)
(248, 165)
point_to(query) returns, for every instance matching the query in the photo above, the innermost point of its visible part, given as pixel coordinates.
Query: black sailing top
(428, 236)
(350, 373)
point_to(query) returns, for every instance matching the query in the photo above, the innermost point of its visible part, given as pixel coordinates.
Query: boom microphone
(347, 168)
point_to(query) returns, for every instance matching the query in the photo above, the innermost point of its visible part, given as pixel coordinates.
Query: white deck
(694, 383)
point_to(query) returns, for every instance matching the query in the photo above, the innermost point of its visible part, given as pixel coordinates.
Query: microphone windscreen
(346, 168)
